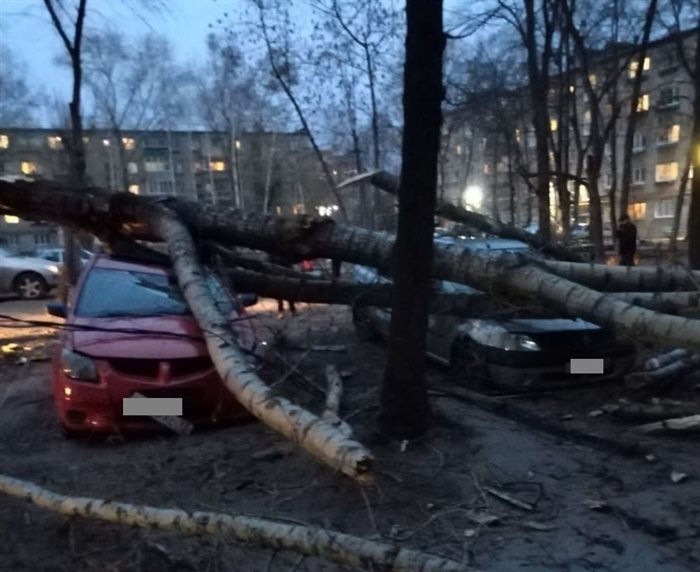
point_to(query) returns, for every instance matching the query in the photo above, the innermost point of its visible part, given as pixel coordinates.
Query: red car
(133, 333)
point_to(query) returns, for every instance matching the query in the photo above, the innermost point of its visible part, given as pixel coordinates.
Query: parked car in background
(519, 351)
(25, 276)
(132, 332)
(56, 255)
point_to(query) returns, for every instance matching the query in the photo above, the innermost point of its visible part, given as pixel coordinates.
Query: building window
(129, 143)
(583, 198)
(27, 167)
(166, 188)
(517, 135)
(669, 97)
(217, 165)
(670, 135)
(4, 142)
(592, 78)
(639, 142)
(608, 180)
(55, 142)
(11, 219)
(664, 208)
(666, 172)
(86, 140)
(637, 211)
(634, 66)
(134, 189)
(132, 168)
(42, 238)
(105, 142)
(298, 209)
(553, 125)
(639, 175)
(643, 103)
(154, 165)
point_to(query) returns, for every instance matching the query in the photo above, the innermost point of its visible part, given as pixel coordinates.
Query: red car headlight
(78, 366)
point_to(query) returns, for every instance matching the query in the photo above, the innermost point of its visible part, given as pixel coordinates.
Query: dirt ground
(431, 494)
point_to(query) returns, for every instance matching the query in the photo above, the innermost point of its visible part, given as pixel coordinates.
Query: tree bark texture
(694, 211)
(404, 410)
(345, 549)
(304, 237)
(311, 433)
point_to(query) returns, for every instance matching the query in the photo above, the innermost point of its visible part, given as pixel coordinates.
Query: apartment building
(495, 173)
(276, 172)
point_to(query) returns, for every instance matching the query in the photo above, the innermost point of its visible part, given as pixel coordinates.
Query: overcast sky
(25, 27)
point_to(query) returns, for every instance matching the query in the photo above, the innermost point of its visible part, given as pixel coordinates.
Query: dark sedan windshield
(114, 293)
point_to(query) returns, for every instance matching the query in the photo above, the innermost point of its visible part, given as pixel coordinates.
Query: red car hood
(176, 341)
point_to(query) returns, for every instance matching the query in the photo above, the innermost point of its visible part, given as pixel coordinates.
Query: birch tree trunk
(338, 547)
(304, 237)
(316, 436)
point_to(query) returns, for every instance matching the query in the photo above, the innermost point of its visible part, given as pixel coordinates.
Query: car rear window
(115, 293)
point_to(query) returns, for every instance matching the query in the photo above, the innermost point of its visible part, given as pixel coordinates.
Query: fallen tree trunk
(345, 549)
(626, 279)
(390, 183)
(666, 373)
(320, 291)
(306, 237)
(652, 412)
(315, 436)
(690, 424)
(662, 301)
(664, 359)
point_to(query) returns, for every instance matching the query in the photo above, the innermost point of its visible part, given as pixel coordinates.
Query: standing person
(286, 263)
(627, 241)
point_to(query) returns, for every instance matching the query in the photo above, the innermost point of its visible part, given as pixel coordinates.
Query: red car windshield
(115, 293)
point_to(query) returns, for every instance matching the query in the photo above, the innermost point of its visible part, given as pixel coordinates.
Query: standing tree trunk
(694, 211)
(680, 200)
(404, 410)
(71, 261)
(634, 110)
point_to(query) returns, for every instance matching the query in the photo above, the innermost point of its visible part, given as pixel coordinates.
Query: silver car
(525, 351)
(27, 277)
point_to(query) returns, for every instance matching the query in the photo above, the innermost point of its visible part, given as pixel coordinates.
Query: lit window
(55, 142)
(4, 142)
(11, 219)
(129, 143)
(217, 165)
(132, 168)
(517, 135)
(105, 142)
(458, 149)
(27, 167)
(637, 211)
(690, 173)
(583, 198)
(664, 208)
(553, 125)
(134, 189)
(487, 168)
(86, 140)
(593, 79)
(643, 103)
(670, 135)
(666, 172)
(634, 66)
(572, 88)
(298, 209)
(238, 144)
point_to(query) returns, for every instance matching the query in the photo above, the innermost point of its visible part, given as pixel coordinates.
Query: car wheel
(363, 326)
(468, 363)
(30, 286)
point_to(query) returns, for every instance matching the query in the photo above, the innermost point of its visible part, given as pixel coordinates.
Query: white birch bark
(346, 549)
(316, 436)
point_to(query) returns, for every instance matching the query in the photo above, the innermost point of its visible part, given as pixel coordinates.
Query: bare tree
(404, 410)
(280, 59)
(62, 24)
(17, 100)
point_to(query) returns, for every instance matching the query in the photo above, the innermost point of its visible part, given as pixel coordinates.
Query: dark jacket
(627, 237)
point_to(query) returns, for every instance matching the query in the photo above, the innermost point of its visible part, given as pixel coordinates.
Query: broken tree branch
(311, 433)
(308, 237)
(690, 424)
(338, 547)
(390, 183)
(666, 373)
